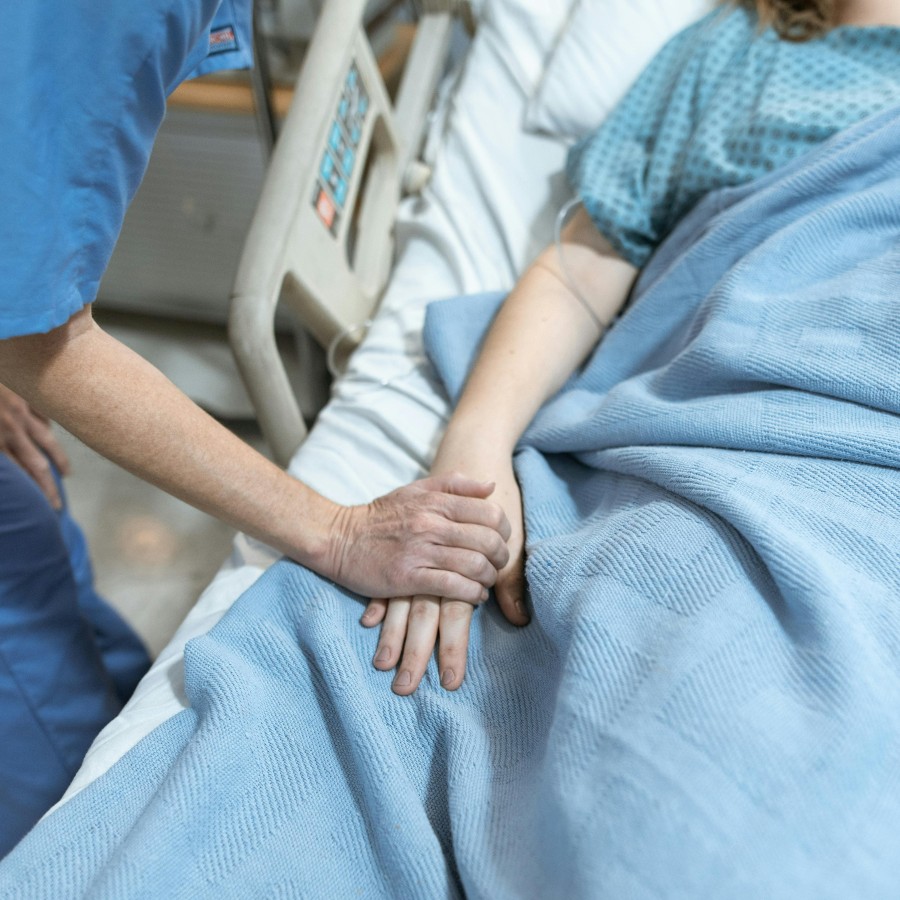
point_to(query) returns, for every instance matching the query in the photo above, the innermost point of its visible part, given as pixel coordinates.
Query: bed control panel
(341, 152)
(321, 242)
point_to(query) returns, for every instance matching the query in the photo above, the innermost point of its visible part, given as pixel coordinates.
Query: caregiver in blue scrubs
(83, 87)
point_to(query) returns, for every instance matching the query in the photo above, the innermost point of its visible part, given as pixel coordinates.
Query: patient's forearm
(540, 336)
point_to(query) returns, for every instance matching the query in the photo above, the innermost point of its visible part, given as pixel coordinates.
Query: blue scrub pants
(68, 662)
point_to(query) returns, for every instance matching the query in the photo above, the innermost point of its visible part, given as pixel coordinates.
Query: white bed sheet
(489, 209)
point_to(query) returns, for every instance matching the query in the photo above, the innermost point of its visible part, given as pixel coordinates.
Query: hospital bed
(372, 205)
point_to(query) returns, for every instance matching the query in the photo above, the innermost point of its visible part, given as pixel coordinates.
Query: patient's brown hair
(795, 20)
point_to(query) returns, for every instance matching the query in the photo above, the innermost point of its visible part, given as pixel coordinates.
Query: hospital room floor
(152, 554)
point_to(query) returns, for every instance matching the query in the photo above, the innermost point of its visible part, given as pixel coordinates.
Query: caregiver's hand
(412, 625)
(438, 536)
(25, 437)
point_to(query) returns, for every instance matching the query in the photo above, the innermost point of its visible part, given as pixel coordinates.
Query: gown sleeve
(626, 172)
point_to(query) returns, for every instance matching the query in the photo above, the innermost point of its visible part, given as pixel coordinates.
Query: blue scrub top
(82, 95)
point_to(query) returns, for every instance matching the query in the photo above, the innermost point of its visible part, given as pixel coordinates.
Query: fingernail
(404, 679)
(383, 655)
(448, 677)
(484, 595)
(520, 608)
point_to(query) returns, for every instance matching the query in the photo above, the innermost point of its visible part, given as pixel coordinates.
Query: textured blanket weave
(707, 702)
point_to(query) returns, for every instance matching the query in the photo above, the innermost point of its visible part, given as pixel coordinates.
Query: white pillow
(602, 49)
(530, 30)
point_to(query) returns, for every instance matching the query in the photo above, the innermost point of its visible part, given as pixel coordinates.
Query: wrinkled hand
(25, 437)
(437, 536)
(412, 625)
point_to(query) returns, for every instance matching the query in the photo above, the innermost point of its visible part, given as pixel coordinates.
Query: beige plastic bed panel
(321, 239)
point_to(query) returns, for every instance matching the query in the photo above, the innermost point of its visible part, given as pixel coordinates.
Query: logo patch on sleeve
(222, 40)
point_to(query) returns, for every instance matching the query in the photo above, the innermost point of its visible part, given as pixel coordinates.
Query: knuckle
(518, 578)
(455, 613)
(498, 517)
(413, 658)
(452, 651)
(445, 583)
(420, 522)
(488, 575)
(397, 571)
(441, 506)
(391, 640)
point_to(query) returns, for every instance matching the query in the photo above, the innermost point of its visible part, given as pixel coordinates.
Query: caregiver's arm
(435, 536)
(540, 336)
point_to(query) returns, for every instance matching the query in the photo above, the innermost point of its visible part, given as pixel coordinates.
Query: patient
(707, 700)
(734, 96)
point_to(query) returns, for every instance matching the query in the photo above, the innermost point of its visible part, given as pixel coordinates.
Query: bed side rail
(321, 239)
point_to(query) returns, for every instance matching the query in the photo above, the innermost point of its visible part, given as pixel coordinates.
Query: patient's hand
(412, 625)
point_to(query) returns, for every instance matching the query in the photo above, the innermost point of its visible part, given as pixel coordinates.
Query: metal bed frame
(321, 239)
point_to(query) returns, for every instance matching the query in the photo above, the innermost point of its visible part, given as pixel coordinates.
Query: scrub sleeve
(83, 90)
(83, 87)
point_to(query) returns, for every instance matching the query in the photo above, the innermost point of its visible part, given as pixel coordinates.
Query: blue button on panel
(335, 137)
(362, 105)
(327, 167)
(351, 77)
(340, 192)
(342, 109)
(355, 135)
(347, 161)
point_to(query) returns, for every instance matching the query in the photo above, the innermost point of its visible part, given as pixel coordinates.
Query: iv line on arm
(361, 328)
(562, 219)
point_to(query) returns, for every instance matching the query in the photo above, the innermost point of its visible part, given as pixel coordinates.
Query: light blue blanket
(707, 702)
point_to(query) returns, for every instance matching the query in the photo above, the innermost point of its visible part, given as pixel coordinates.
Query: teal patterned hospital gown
(720, 105)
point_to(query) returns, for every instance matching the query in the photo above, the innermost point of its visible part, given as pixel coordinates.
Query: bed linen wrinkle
(707, 700)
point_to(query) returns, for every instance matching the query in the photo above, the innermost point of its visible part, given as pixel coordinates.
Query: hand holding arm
(540, 336)
(438, 536)
(411, 625)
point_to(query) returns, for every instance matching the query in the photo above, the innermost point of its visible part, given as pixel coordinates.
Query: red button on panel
(325, 209)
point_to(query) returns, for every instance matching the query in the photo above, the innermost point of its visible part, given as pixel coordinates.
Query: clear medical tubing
(562, 219)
